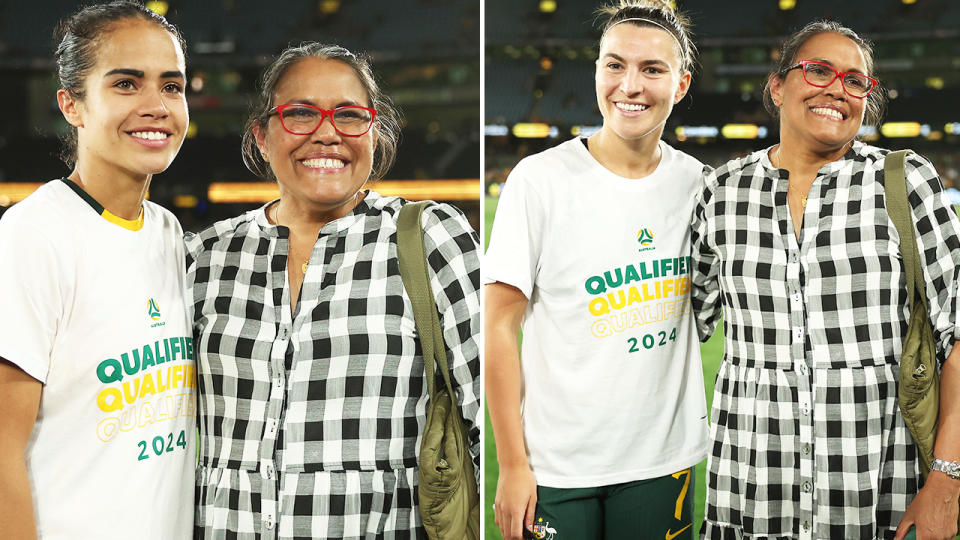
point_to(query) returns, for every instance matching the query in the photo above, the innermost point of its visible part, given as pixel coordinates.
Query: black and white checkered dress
(310, 423)
(807, 437)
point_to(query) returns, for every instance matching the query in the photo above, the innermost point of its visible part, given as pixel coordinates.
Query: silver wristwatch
(950, 468)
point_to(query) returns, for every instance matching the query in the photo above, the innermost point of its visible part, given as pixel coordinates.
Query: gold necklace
(276, 217)
(803, 200)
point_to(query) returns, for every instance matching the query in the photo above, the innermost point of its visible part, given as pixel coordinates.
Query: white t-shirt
(96, 312)
(613, 385)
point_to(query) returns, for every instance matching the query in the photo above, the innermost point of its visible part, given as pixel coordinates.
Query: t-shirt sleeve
(32, 305)
(516, 239)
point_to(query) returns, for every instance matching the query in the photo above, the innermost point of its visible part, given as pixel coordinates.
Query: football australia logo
(645, 239)
(154, 312)
(543, 531)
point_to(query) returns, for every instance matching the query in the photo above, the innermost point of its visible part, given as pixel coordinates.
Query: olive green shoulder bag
(448, 496)
(919, 388)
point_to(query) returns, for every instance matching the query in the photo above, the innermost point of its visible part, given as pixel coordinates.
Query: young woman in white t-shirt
(598, 430)
(94, 345)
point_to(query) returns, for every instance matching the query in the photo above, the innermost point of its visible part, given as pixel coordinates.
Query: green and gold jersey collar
(129, 224)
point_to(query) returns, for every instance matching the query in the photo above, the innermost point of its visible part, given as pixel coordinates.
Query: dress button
(806, 487)
(805, 449)
(806, 525)
(268, 522)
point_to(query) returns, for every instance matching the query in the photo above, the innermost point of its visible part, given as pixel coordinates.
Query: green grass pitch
(711, 352)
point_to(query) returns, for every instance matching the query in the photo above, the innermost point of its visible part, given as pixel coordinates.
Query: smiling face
(133, 115)
(325, 169)
(639, 78)
(821, 119)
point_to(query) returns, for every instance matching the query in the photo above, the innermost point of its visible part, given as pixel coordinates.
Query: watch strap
(950, 468)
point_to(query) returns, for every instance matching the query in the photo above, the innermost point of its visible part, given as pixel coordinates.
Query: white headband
(683, 51)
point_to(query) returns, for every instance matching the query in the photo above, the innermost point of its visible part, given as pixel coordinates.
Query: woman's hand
(934, 510)
(516, 501)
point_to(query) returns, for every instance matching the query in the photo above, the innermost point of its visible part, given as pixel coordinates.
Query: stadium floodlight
(329, 7)
(531, 130)
(438, 189)
(584, 131)
(160, 8)
(868, 133)
(548, 6)
(186, 201)
(786, 5)
(12, 192)
(496, 130)
(740, 131)
(697, 131)
(901, 129)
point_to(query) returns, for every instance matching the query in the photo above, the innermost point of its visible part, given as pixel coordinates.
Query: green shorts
(655, 508)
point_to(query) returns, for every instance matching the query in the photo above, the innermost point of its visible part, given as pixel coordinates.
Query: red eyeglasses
(822, 75)
(303, 119)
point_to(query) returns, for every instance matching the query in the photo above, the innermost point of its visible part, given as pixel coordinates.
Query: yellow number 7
(683, 492)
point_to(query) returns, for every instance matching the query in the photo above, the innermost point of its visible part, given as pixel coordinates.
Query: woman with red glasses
(312, 386)
(795, 244)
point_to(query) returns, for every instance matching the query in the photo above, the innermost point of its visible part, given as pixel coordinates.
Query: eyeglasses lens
(352, 120)
(855, 84)
(347, 120)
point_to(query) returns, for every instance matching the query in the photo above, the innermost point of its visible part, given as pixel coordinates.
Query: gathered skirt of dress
(837, 463)
(353, 505)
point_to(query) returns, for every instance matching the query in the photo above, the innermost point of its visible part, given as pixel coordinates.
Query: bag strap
(898, 208)
(416, 280)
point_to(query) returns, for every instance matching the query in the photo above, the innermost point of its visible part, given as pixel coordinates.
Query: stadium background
(539, 92)
(426, 54)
